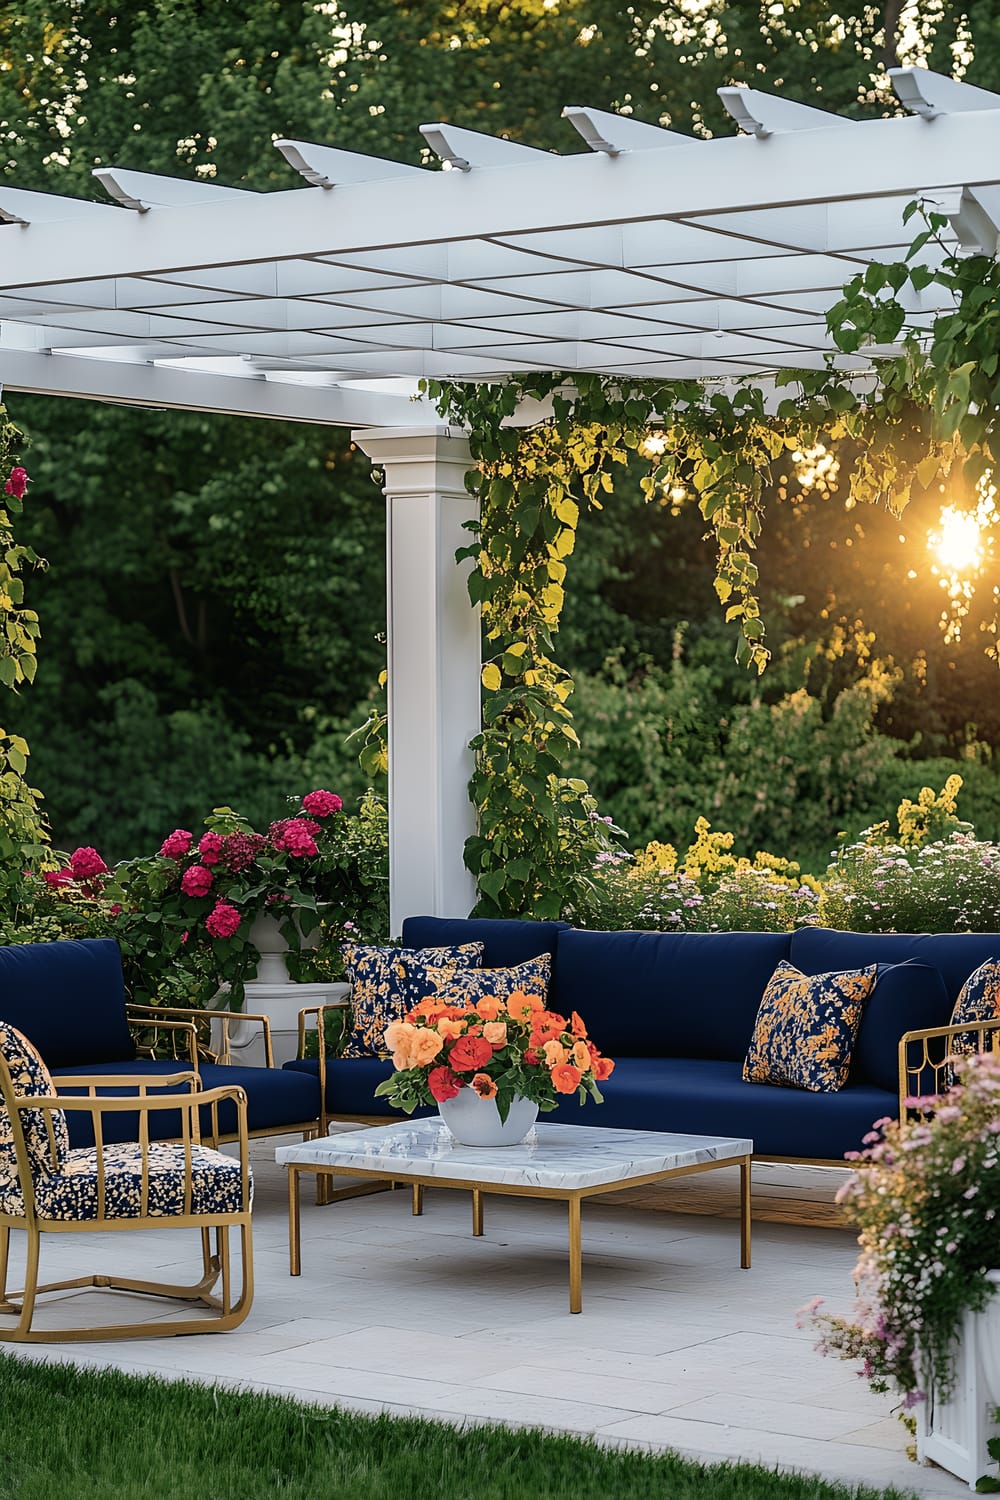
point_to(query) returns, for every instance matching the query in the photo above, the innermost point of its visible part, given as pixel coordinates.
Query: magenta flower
(58, 877)
(177, 844)
(223, 920)
(210, 848)
(86, 863)
(196, 881)
(17, 483)
(295, 835)
(322, 804)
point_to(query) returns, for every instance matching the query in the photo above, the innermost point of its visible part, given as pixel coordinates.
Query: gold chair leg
(222, 1243)
(30, 1284)
(5, 1306)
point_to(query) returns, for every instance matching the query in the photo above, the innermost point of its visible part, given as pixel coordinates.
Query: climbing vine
(931, 413)
(23, 828)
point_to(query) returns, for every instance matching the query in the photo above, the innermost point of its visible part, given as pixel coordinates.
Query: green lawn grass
(105, 1435)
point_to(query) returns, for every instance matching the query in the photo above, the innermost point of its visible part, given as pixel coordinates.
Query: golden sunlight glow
(958, 544)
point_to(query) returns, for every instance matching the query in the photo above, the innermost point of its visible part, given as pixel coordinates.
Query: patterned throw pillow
(30, 1078)
(806, 1028)
(978, 1000)
(388, 982)
(474, 985)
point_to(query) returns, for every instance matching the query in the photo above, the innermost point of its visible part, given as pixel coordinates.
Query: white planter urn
(476, 1122)
(954, 1433)
(273, 994)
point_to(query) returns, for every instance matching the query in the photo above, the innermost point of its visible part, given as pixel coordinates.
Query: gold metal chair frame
(215, 1263)
(929, 1050)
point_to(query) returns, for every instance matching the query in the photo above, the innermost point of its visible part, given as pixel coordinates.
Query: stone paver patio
(676, 1346)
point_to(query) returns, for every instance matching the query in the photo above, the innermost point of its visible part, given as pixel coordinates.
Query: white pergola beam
(931, 94)
(142, 191)
(326, 166)
(763, 114)
(613, 133)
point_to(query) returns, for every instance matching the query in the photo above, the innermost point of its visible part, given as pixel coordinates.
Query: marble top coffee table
(564, 1162)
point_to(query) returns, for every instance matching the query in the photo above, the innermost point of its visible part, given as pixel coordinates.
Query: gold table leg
(575, 1257)
(745, 1177)
(477, 1211)
(418, 1199)
(294, 1242)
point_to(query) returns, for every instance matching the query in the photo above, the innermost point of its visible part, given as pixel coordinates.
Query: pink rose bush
(17, 484)
(183, 917)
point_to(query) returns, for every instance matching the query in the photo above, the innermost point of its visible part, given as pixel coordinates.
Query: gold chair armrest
(144, 1015)
(930, 1049)
(319, 1011)
(156, 1023)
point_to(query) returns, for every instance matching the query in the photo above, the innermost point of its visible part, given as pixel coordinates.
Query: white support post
(434, 660)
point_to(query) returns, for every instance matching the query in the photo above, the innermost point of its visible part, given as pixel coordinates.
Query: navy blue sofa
(68, 999)
(676, 1011)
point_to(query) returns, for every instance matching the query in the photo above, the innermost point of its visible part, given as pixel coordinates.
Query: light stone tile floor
(676, 1346)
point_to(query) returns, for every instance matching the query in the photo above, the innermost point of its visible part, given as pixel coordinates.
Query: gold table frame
(393, 1173)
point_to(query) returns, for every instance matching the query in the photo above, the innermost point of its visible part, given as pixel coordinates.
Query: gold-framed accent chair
(927, 1058)
(47, 1187)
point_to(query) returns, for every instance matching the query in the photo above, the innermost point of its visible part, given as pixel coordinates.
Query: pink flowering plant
(925, 1196)
(183, 916)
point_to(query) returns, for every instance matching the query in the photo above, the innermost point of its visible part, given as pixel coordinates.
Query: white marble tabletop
(552, 1156)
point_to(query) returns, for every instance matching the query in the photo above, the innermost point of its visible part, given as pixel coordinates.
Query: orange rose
(546, 1026)
(495, 1032)
(484, 1086)
(566, 1078)
(489, 1008)
(603, 1068)
(521, 1005)
(555, 1053)
(425, 1047)
(581, 1055)
(399, 1037)
(576, 1026)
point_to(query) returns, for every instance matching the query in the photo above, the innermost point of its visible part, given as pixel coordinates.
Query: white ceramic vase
(271, 947)
(476, 1122)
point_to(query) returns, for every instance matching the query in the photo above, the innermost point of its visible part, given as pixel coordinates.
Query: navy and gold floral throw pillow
(469, 986)
(806, 1027)
(388, 982)
(978, 1000)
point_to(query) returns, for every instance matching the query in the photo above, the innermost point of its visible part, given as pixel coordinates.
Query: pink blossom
(17, 483)
(296, 835)
(241, 849)
(322, 804)
(210, 848)
(177, 844)
(223, 920)
(86, 863)
(58, 877)
(196, 881)
(116, 909)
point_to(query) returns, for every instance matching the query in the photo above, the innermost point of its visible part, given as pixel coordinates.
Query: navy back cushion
(906, 997)
(954, 954)
(67, 998)
(666, 994)
(507, 942)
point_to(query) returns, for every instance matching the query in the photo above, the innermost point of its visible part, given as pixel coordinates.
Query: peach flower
(495, 1032)
(581, 1055)
(399, 1037)
(484, 1086)
(425, 1047)
(566, 1078)
(449, 1028)
(489, 1008)
(555, 1053)
(546, 1026)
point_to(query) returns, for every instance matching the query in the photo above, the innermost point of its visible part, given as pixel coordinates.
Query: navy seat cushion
(275, 1099)
(699, 1096)
(506, 942)
(907, 996)
(350, 1086)
(954, 954)
(68, 999)
(658, 994)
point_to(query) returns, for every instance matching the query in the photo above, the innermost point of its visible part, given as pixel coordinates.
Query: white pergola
(650, 255)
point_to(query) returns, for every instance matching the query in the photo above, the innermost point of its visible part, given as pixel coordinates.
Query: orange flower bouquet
(501, 1049)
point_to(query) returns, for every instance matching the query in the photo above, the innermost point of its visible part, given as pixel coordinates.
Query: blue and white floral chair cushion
(72, 1193)
(806, 1028)
(386, 983)
(30, 1078)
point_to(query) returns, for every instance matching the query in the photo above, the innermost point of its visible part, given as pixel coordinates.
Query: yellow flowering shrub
(930, 817)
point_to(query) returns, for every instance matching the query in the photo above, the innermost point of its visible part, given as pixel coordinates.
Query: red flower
(566, 1078)
(58, 877)
(443, 1084)
(177, 844)
(210, 848)
(532, 1057)
(322, 804)
(469, 1054)
(196, 881)
(86, 863)
(223, 920)
(17, 483)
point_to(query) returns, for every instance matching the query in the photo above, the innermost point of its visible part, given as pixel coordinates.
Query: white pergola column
(435, 659)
